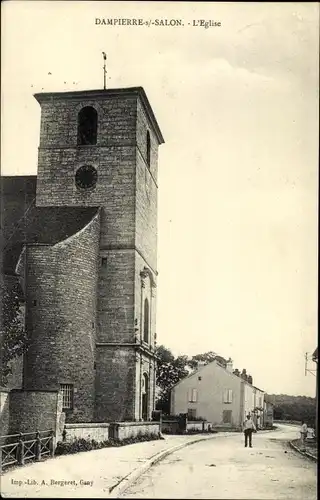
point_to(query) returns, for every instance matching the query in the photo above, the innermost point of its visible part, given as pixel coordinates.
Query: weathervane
(104, 69)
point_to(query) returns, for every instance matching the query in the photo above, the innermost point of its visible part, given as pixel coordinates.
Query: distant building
(258, 407)
(268, 414)
(217, 394)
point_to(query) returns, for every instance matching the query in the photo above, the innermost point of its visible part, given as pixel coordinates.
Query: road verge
(303, 453)
(125, 482)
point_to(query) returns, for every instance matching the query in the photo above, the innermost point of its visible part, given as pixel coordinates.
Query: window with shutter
(227, 396)
(193, 395)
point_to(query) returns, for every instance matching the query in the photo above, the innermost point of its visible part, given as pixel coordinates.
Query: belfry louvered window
(87, 126)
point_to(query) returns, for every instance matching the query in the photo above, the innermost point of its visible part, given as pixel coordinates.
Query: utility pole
(307, 370)
(314, 358)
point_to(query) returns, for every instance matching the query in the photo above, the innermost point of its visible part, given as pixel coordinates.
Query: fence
(16, 449)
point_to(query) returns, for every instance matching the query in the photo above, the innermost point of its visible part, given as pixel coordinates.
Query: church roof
(22, 222)
(85, 94)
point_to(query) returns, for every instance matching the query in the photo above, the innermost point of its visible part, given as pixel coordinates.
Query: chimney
(229, 366)
(244, 374)
(250, 379)
(236, 372)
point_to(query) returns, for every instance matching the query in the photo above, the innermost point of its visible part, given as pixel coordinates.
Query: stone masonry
(85, 253)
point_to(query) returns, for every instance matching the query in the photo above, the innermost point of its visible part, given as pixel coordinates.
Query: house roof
(85, 94)
(196, 372)
(256, 387)
(23, 223)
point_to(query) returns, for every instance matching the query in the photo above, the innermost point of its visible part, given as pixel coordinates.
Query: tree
(294, 408)
(169, 372)
(206, 358)
(164, 354)
(13, 335)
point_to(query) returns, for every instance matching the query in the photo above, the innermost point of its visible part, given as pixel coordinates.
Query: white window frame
(193, 395)
(227, 396)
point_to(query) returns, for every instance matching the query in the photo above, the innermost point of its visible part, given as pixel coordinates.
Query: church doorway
(145, 396)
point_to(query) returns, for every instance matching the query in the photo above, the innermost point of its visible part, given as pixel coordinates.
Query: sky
(238, 173)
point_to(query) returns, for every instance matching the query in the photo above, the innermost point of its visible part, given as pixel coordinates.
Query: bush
(78, 445)
(65, 448)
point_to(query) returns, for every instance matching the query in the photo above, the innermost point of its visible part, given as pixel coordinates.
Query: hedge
(81, 444)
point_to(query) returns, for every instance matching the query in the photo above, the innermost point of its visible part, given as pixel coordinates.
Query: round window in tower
(86, 177)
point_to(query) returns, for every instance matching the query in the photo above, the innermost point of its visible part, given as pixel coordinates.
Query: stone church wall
(85, 296)
(142, 292)
(146, 192)
(4, 412)
(61, 284)
(115, 297)
(115, 383)
(113, 156)
(35, 410)
(142, 126)
(15, 378)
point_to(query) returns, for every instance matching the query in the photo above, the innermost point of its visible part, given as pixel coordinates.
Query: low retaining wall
(32, 410)
(172, 426)
(125, 430)
(99, 432)
(113, 430)
(197, 425)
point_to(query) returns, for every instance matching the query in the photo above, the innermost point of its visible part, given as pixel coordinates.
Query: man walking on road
(249, 428)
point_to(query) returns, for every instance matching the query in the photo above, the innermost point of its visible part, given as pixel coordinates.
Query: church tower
(99, 149)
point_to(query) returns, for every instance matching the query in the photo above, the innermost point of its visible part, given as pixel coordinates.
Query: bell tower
(99, 148)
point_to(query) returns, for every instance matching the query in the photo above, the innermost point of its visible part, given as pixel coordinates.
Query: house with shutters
(218, 394)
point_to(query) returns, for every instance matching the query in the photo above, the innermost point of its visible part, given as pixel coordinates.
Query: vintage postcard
(159, 214)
